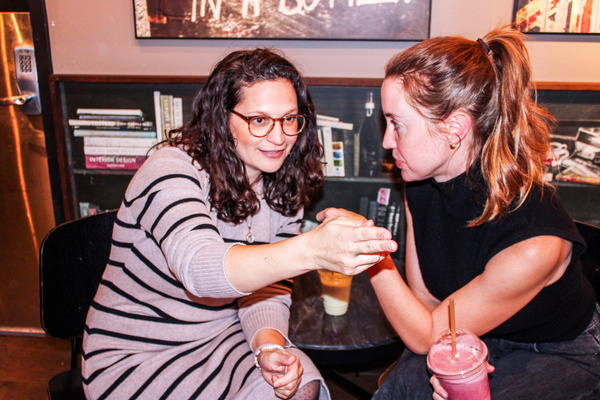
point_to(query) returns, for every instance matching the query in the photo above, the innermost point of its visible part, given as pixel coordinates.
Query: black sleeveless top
(451, 254)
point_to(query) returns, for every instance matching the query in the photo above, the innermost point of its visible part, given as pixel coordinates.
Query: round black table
(362, 335)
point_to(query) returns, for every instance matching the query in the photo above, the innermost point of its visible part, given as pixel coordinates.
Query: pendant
(250, 236)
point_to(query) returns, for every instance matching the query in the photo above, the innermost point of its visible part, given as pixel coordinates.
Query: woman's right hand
(346, 242)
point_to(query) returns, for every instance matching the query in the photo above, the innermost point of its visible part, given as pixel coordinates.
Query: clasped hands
(349, 243)
(282, 370)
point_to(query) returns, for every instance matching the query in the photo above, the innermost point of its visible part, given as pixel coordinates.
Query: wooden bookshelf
(338, 97)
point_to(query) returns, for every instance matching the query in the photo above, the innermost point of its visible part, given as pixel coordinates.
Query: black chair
(591, 258)
(73, 256)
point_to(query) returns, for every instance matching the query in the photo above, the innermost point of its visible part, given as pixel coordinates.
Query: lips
(272, 153)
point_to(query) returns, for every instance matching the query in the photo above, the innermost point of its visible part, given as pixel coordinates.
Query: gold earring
(453, 146)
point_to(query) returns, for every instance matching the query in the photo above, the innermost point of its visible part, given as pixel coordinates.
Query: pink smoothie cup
(465, 376)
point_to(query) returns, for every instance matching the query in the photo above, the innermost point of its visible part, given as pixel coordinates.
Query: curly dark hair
(208, 139)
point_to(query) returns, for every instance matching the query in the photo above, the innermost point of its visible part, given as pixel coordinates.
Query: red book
(113, 162)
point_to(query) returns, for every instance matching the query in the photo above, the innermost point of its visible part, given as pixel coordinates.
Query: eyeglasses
(261, 126)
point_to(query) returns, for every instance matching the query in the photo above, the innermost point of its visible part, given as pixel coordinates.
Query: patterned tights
(310, 391)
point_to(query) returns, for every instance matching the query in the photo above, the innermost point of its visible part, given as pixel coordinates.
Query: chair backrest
(591, 257)
(73, 257)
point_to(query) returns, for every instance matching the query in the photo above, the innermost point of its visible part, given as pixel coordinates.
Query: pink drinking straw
(452, 327)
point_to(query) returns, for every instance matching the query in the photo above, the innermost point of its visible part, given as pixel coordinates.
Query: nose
(276, 136)
(389, 138)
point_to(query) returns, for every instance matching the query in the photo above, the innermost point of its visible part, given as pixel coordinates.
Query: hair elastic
(484, 46)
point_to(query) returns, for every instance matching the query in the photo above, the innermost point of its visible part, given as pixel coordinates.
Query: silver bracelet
(263, 348)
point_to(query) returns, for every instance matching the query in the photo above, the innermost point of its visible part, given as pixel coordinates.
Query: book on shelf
(103, 161)
(124, 112)
(120, 114)
(100, 141)
(158, 116)
(398, 227)
(398, 231)
(383, 201)
(389, 217)
(116, 151)
(133, 152)
(79, 132)
(177, 112)
(168, 111)
(111, 124)
(109, 117)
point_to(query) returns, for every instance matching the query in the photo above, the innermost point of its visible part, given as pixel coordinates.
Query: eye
(398, 127)
(260, 121)
(393, 124)
(290, 120)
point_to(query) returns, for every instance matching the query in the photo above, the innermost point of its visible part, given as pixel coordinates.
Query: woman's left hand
(282, 370)
(332, 212)
(438, 391)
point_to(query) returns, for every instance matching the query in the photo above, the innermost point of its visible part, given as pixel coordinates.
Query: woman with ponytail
(483, 227)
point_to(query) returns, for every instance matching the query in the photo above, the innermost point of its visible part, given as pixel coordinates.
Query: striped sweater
(166, 323)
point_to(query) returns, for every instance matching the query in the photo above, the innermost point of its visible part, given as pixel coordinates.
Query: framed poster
(575, 141)
(557, 16)
(283, 19)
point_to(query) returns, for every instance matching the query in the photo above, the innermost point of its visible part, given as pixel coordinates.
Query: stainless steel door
(26, 212)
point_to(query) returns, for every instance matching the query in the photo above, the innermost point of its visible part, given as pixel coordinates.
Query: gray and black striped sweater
(165, 322)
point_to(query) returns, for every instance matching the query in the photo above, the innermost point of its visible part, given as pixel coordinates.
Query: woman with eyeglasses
(194, 302)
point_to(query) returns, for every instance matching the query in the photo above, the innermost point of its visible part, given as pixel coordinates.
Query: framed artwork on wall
(575, 140)
(557, 16)
(283, 19)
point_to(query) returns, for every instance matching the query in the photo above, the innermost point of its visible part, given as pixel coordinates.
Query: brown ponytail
(512, 158)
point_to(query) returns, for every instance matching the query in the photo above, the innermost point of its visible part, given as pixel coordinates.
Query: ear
(458, 125)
